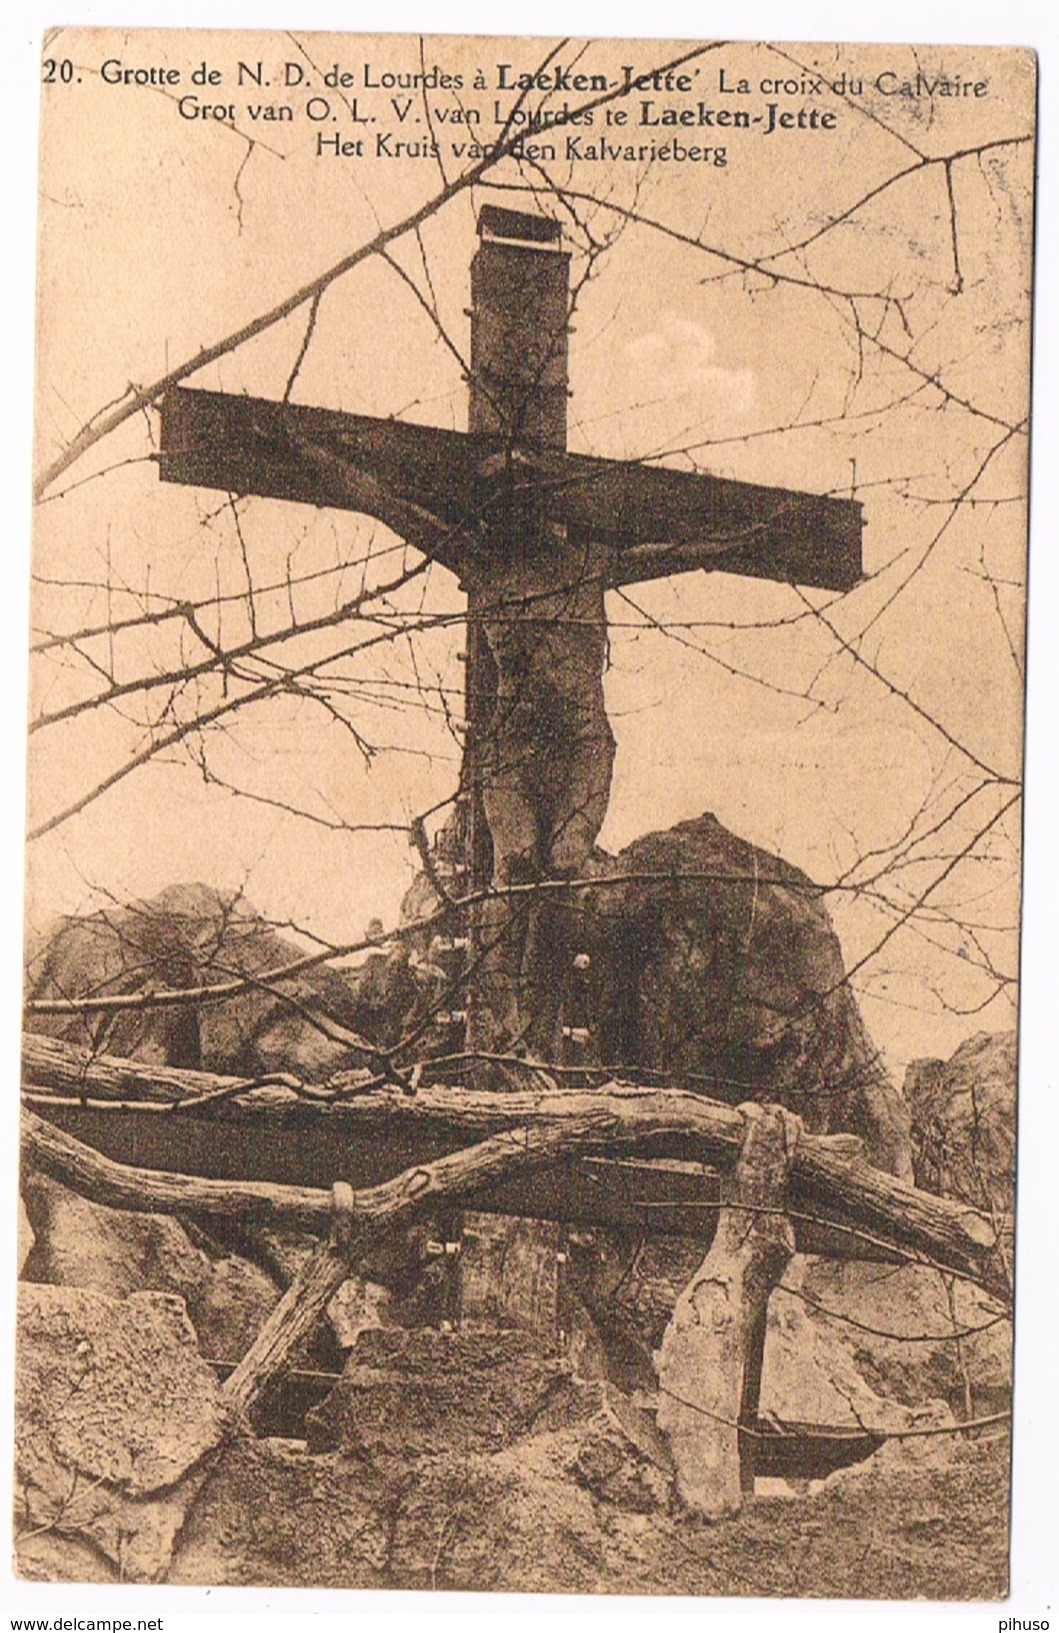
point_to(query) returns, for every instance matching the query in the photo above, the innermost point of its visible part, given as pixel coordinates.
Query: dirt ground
(456, 1460)
(926, 1524)
(874, 1532)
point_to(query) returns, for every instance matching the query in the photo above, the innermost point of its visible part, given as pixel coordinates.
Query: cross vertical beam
(519, 294)
(520, 297)
(520, 280)
(533, 792)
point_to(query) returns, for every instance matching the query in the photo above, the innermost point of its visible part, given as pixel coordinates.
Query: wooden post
(710, 1362)
(520, 279)
(508, 1272)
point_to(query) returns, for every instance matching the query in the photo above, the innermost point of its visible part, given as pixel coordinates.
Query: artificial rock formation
(708, 960)
(116, 1418)
(80, 1243)
(189, 936)
(963, 1122)
(715, 964)
(716, 960)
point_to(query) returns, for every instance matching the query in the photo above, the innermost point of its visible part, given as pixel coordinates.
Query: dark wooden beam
(651, 1195)
(658, 521)
(315, 1150)
(249, 445)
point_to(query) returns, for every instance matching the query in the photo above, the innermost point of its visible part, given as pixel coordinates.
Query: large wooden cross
(536, 536)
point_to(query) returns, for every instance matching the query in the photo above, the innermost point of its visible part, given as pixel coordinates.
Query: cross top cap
(540, 231)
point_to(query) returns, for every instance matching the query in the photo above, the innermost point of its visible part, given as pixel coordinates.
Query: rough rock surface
(580, 1501)
(231, 1306)
(79, 1243)
(828, 1356)
(716, 963)
(417, 1474)
(910, 1335)
(116, 1415)
(272, 1514)
(574, 1498)
(711, 960)
(519, 1521)
(229, 1294)
(818, 1369)
(963, 1121)
(191, 935)
(410, 1393)
(622, 1458)
(733, 978)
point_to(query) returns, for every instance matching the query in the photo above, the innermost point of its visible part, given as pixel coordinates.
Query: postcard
(523, 877)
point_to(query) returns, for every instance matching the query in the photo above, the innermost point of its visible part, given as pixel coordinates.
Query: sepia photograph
(524, 813)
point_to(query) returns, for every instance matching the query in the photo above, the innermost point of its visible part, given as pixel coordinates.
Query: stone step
(408, 1393)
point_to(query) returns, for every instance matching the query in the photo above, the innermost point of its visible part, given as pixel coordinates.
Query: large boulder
(113, 1251)
(276, 1515)
(79, 1243)
(847, 1340)
(407, 1394)
(229, 1282)
(715, 964)
(963, 1122)
(116, 1417)
(571, 1510)
(892, 1347)
(190, 936)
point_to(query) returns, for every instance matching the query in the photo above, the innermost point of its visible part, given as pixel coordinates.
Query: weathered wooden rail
(750, 1182)
(645, 1158)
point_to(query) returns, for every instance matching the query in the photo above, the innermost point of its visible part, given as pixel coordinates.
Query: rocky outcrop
(116, 1417)
(710, 961)
(124, 1472)
(573, 1491)
(963, 1122)
(446, 1459)
(78, 1243)
(408, 1394)
(191, 936)
(848, 1342)
(229, 1282)
(717, 963)
(115, 1252)
(853, 1343)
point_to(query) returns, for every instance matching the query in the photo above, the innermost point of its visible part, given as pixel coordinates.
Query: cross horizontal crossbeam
(656, 521)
